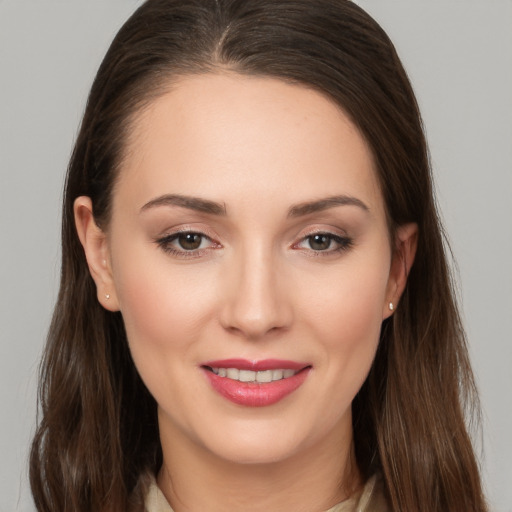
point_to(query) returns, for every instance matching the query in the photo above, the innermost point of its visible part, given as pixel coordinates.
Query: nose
(256, 299)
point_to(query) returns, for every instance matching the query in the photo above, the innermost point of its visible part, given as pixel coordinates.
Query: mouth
(255, 384)
(260, 377)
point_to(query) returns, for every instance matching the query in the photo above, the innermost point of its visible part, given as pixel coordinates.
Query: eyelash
(344, 243)
(165, 244)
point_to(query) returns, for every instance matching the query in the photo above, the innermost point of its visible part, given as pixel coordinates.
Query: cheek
(163, 310)
(163, 305)
(348, 303)
(345, 315)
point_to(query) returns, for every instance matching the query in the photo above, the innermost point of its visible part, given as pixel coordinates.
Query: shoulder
(155, 500)
(370, 499)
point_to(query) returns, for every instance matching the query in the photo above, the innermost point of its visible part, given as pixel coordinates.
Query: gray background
(459, 57)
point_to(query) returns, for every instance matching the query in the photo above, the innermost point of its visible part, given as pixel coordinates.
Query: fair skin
(293, 262)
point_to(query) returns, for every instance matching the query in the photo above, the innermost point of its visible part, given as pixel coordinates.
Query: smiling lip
(263, 390)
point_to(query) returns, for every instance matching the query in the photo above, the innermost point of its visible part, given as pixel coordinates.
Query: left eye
(324, 242)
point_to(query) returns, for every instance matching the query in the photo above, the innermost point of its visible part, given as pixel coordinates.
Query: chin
(260, 444)
(255, 453)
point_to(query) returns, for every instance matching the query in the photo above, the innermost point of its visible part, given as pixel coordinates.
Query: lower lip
(253, 394)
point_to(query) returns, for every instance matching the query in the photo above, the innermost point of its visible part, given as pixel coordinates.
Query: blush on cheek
(163, 310)
(355, 302)
(351, 327)
(150, 318)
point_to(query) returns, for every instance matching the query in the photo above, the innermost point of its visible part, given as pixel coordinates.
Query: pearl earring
(391, 306)
(107, 296)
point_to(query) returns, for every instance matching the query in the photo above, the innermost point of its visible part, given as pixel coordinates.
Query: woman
(255, 309)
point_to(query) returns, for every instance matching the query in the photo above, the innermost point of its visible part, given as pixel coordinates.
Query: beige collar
(370, 499)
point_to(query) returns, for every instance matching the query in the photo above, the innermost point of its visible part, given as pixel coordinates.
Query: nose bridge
(255, 303)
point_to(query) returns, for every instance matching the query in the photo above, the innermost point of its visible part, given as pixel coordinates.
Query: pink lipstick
(255, 383)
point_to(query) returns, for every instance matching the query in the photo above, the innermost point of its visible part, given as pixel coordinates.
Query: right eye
(189, 241)
(186, 244)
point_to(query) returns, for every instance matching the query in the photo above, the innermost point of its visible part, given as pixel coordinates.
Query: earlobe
(94, 243)
(406, 241)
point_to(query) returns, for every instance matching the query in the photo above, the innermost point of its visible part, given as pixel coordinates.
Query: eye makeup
(189, 243)
(324, 243)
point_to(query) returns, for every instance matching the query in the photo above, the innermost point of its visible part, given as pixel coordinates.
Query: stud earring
(391, 306)
(107, 296)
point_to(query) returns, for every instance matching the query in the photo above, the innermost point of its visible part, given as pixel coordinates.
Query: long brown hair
(97, 440)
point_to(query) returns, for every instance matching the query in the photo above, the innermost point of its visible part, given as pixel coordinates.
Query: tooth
(232, 373)
(264, 376)
(247, 376)
(277, 374)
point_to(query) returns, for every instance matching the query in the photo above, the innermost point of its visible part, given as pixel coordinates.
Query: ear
(94, 242)
(406, 241)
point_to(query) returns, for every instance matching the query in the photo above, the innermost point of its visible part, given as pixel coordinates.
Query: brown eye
(320, 242)
(324, 243)
(187, 244)
(190, 241)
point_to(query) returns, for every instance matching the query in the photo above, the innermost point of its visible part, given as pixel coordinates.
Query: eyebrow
(307, 208)
(213, 208)
(189, 202)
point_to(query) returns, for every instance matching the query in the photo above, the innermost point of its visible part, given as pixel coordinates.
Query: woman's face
(248, 243)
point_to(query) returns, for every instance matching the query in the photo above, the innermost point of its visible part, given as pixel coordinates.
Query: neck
(314, 479)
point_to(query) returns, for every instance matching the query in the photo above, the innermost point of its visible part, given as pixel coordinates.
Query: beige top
(370, 499)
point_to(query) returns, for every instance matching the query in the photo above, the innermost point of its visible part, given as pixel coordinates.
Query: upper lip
(262, 365)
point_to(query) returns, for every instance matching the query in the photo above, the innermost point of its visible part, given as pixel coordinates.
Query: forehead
(228, 136)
